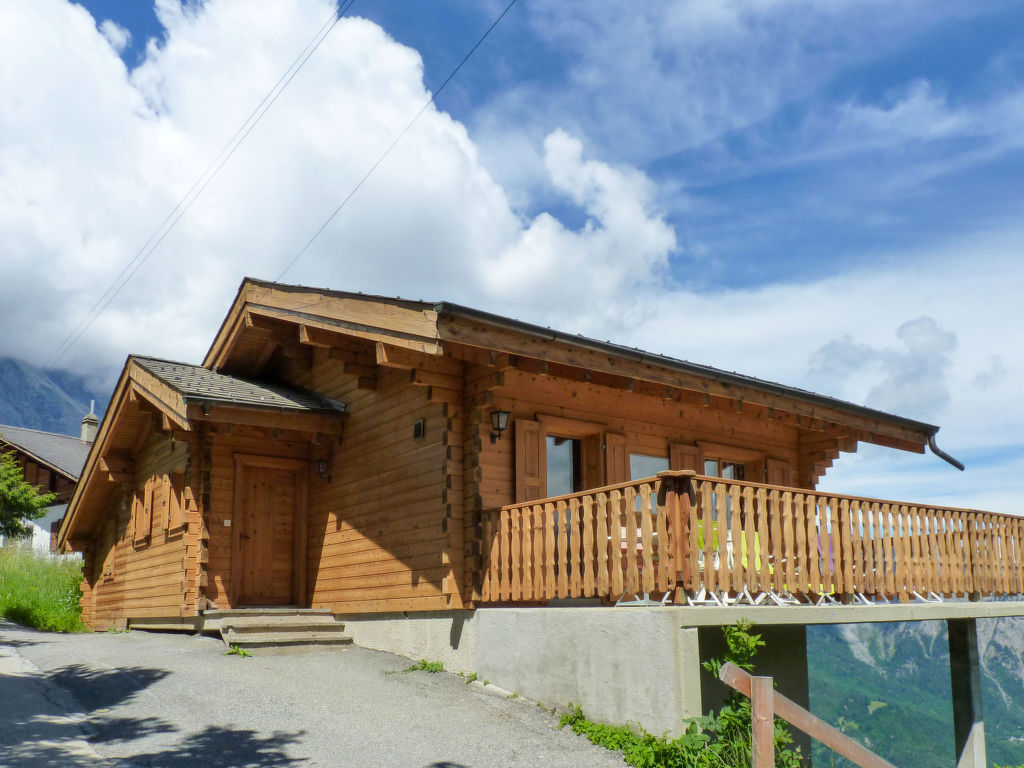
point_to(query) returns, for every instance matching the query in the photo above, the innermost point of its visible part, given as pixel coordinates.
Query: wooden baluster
(868, 577)
(990, 556)
(749, 521)
(576, 545)
(954, 552)
(721, 496)
(947, 573)
(690, 500)
(736, 537)
(550, 551)
(516, 592)
(846, 553)
(775, 521)
(878, 547)
(489, 555)
(665, 571)
(647, 572)
(1004, 554)
(789, 545)
(914, 576)
(537, 535)
(835, 549)
(629, 556)
(813, 544)
(588, 585)
(906, 558)
(561, 530)
(603, 545)
(934, 558)
(527, 524)
(710, 575)
(764, 577)
(615, 545)
(802, 565)
(505, 574)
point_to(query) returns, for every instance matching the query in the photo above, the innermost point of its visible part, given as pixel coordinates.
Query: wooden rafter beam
(298, 421)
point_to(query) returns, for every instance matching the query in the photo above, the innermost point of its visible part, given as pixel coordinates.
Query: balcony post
(675, 497)
(965, 676)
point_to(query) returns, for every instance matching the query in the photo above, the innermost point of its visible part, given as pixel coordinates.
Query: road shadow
(216, 747)
(104, 688)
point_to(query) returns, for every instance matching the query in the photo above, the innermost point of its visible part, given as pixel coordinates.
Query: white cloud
(93, 156)
(116, 35)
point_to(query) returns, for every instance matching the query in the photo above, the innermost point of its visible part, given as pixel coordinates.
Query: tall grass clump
(40, 591)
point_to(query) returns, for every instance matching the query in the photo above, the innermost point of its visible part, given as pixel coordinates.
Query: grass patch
(420, 666)
(237, 650)
(39, 591)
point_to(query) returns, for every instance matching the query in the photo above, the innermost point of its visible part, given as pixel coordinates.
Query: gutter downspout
(942, 454)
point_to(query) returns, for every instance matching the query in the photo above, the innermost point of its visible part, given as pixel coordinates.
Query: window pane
(641, 466)
(564, 465)
(711, 467)
(733, 471)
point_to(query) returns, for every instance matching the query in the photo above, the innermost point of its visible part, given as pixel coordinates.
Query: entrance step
(277, 627)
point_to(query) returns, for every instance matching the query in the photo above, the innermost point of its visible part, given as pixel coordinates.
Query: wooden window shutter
(531, 466)
(142, 512)
(684, 457)
(616, 460)
(176, 500)
(778, 472)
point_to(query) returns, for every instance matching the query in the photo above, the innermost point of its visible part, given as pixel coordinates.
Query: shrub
(40, 591)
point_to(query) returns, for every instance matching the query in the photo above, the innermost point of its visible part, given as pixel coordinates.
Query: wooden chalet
(368, 454)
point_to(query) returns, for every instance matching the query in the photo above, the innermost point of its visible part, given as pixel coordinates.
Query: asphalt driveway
(175, 700)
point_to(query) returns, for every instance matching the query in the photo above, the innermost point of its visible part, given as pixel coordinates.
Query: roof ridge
(39, 432)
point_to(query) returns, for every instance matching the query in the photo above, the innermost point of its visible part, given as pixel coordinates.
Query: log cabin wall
(44, 478)
(636, 423)
(144, 559)
(221, 443)
(385, 530)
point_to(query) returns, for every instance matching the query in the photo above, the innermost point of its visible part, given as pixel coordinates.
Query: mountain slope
(51, 401)
(888, 686)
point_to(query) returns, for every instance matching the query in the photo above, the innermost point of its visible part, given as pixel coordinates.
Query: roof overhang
(296, 315)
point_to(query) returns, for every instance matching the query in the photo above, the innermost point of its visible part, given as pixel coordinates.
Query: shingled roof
(200, 385)
(64, 453)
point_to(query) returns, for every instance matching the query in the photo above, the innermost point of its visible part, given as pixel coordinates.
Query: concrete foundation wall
(619, 664)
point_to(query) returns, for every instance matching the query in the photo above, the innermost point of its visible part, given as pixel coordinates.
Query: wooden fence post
(762, 716)
(674, 497)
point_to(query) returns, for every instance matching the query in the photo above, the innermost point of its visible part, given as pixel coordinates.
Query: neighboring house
(337, 450)
(53, 463)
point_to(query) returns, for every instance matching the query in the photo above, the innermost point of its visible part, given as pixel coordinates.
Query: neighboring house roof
(198, 385)
(64, 453)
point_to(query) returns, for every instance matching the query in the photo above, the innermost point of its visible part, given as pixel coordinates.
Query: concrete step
(282, 624)
(269, 628)
(286, 639)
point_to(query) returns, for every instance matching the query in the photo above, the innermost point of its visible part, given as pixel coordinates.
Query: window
(641, 466)
(565, 465)
(727, 470)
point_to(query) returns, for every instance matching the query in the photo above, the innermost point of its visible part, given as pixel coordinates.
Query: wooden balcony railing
(684, 532)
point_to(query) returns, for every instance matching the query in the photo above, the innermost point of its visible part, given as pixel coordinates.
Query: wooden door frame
(299, 554)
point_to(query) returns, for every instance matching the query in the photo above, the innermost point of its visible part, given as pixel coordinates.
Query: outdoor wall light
(499, 423)
(320, 467)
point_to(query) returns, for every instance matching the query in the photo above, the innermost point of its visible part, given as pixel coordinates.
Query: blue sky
(823, 194)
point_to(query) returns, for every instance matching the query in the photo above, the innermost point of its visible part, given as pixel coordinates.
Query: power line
(200, 184)
(391, 146)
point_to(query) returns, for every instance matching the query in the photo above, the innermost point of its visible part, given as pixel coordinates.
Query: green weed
(420, 666)
(39, 591)
(237, 650)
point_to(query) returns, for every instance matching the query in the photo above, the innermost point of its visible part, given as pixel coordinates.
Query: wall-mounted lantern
(320, 466)
(499, 423)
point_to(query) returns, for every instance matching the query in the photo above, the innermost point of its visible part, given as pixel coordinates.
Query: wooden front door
(269, 554)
